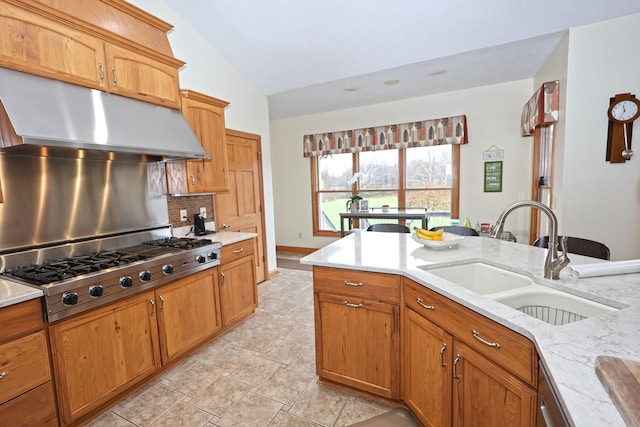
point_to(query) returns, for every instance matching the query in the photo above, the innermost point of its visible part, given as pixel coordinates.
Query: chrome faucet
(554, 262)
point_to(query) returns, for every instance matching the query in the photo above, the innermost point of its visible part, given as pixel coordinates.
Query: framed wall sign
(493, 177)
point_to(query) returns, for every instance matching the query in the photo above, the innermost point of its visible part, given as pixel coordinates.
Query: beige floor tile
(284, 419)
(250, 411)
(303, 333)
(305, 361)
(283, 350)
(219, 395)
(183, 415)
(255, 370)
(149, 405)
(355, 411)
(223, 356)
(320, 404)
(285, 386)
(192, 378)
(109, 419)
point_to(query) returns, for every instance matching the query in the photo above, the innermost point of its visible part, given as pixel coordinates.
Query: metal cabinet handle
(545, 413)
(3, 374)
(222, 275)
(348, 304)
(455, 368)
(442, 350)
(161, 299)
(237, 251)
(423, 305)
(353, 284)
(193, 180)
(101, 72)
(115, 76)
(153, 307)
(225, 226)
(477, 336)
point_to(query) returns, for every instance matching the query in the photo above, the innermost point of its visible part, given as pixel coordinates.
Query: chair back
(579, 246)
(390, 228)
(457, 229)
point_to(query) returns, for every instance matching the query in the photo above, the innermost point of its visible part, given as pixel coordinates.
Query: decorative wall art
(449, 130)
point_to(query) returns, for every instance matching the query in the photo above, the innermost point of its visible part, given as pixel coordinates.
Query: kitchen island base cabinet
(357, 330)
(100, 355)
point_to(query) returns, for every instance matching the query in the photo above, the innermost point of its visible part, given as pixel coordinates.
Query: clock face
(624, 111)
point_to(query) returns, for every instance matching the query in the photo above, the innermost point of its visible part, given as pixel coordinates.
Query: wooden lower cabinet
(26, 389)
(99, 355)
(452, 378)
(188, 313)
(238, 290)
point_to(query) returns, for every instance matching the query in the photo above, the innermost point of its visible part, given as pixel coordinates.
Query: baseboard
(297, 249)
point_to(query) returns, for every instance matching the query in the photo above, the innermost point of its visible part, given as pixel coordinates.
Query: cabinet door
(484, 394)
(206, 117)
(426, 374)
(188, 313)
(98, 355)
(238, 291)
(32, 43)
(135, 75)
(357, 343)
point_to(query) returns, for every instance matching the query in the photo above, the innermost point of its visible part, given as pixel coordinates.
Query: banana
(428, 235)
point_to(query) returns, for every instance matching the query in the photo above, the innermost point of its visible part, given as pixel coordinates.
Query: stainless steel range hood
(45, 116)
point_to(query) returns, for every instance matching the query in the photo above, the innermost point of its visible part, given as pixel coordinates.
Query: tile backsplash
(192, 204)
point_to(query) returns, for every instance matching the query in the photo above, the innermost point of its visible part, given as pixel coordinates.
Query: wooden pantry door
(240, 208)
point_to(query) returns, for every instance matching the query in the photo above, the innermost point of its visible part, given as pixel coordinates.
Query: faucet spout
(553, 263)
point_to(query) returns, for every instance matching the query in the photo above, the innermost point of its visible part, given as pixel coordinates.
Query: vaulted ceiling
(315, 56)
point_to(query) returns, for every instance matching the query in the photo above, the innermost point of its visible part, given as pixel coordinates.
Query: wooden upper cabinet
(134, 75)
(205, 115)
(38, 45)
(40, 40)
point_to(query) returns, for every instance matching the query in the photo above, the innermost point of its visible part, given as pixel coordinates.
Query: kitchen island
(568, 352)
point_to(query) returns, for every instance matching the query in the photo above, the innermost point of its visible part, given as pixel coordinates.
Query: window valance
(449, 130)
(541, 109)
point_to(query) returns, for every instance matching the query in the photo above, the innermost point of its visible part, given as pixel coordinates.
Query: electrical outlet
(203, 212)
(183, 215)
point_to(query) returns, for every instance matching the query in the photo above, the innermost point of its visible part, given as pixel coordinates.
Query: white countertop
(224, 237)
(14, 293)
(567, 351)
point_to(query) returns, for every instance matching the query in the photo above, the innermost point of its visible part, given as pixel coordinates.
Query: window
(411, 177)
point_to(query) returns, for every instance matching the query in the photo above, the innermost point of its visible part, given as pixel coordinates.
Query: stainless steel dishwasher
(550, 413)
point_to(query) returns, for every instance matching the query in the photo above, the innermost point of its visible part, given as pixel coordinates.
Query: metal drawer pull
(101, 72)
(237, 251)
(545, 412)
(153, 307)
(483, 341)
(222, 275)
(423, 305)
(353, 284)
(442, 350)
(455, 368)
(115, 77)
(348, 304)
(161, 299)
(3, 374)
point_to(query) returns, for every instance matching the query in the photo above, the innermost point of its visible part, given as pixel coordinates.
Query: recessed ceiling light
(350, 89)
(392, 82)
(438, 73)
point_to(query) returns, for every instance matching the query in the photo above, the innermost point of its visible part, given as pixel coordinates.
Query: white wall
(208, 72)
(601, 200)
(493, 118)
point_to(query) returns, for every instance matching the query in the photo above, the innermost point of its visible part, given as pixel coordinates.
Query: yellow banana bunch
(428, 235)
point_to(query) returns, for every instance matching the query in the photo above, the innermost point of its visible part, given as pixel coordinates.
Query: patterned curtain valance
(541, 109)
(450, 130)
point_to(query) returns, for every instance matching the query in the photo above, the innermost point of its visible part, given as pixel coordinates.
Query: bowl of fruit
(437, 239)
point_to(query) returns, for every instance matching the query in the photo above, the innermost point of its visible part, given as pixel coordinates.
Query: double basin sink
(521, 293)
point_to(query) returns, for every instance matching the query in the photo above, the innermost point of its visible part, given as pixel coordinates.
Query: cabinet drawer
(376, 286)
(35, 408)
(236, 251)
(24, 364)
(19, 319)
(515, 353)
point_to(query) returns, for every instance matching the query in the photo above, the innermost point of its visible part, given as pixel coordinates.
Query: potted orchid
(352, 203)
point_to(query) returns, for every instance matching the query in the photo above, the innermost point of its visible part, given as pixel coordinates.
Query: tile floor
(261, 373)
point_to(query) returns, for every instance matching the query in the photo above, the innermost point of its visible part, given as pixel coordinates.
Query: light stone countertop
(14, 293)
(224, 237)
(567, 351)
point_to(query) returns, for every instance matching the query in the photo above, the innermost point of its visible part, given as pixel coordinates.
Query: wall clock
(624, 109)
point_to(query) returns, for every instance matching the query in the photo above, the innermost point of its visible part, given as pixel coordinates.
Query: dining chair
(391, 228)
(456, 229)
(579, 246)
